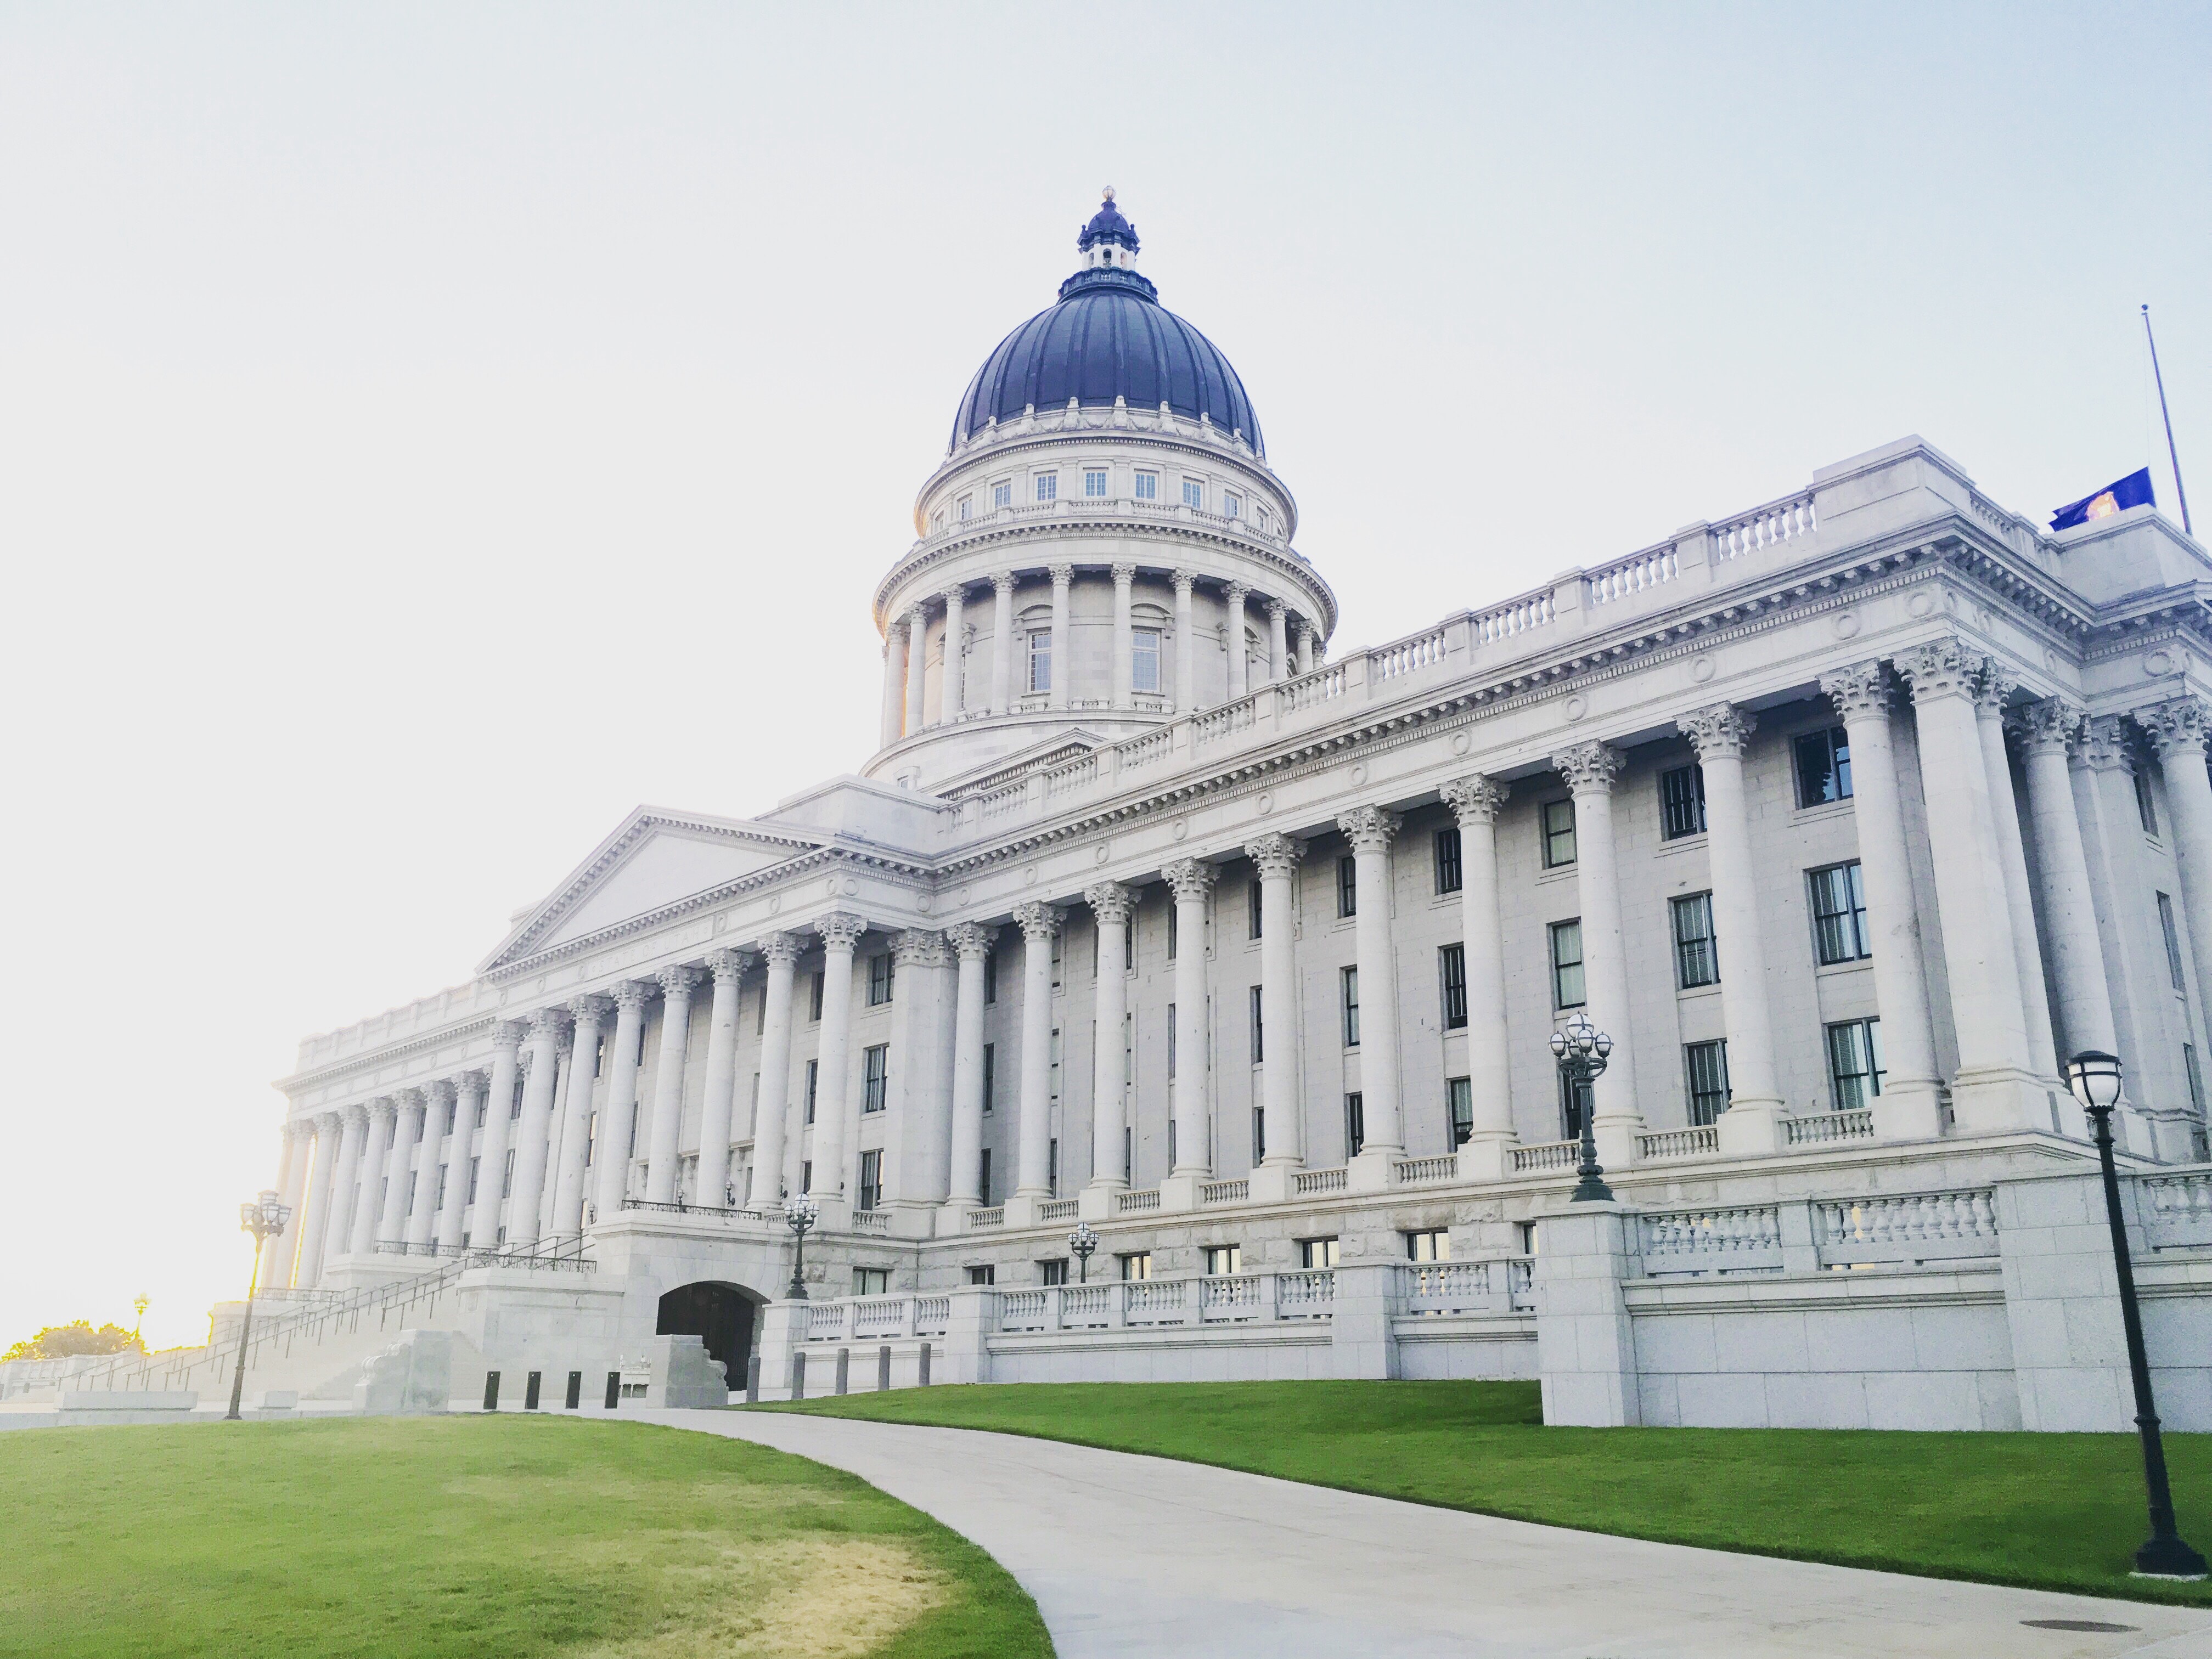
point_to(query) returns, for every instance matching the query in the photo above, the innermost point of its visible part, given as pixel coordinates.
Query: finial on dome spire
(1109, 193)
(1109, 241)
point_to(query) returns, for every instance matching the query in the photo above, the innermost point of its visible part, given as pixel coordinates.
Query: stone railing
(1215, 1299)
(1419, 1171)
(1504, 1284)
(1137, 1202)
(978, 1221)
(1424, 650)
(1224, 1192)
(1785, 520)
(704, 1212)
(1515, 617)
(1310, 1183)
(1806, 1235)
(1915, 1227)
(871, 1221)
(1699, 1141)
(932, 1314)
(1058, 1209)
(1733, 1239)
(1546, 1156)
(1633, 575)
(1823, 1128)
(2177, 1210)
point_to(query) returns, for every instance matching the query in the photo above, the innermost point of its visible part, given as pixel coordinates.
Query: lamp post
(1581, 1049)
(264, 1218)
(2094, 1078)
(1082, 1242)
(801, 1213)
(138, 1308)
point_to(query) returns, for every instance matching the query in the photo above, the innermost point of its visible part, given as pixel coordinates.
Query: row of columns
(904, 675)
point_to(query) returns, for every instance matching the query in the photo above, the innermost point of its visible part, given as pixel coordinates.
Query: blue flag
(2134, 490)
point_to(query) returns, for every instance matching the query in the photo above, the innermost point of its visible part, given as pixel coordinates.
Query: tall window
(1040, 660)
(1682, 802)
(1002, 493)
(1145, 659)
(1459, 1095)
(879, 979)
(1171, 1067)
(1451, 963)
(1575, 1100)
(1706, 1065)
(1052, 1166)
(1223, 1259)
(1148, 486)
(1855, 1067)
(813, 998)
(2146, 808)
(1193, 493)
(1448, 872)
(983, 1176)
(1567, 964)
(875, 1075)
(872, 1281)
(1259, 1039)
(966, 509)
(1839, 923)
(991, 978)
(871, 1179)
(1347, 885)
(1315, 1255)
(1432, 1244)
(1824, 766)
(1697, 957)
(2195, 1078)
(1094, 482)
(2168, 925)
(1052, 1271)
(1351, 987)
(1355, 1123)
(1254, 914)
(1129, 946)
(1259, 1135)
(990, 1072)
(1557, 820)
(1137, 1264)
(475, 1165)
(1048, 486)
(1233, 504)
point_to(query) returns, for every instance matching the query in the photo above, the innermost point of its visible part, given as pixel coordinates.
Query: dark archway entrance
(722, 1314)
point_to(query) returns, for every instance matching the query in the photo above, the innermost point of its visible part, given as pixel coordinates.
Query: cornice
(1209, 441)
(338, 1069)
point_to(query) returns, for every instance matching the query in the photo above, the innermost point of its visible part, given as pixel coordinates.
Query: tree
(78, 1337)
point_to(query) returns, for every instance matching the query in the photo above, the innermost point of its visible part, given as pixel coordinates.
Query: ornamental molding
(973, 940)
(587, 1010)
(728, 965)
(546, 1025)
(1276, 856)
(1476, 799)
(2175, 728)
(1943, 667)
(631, 995)
(1111, 902)
(1589, 767)
(678, 980)
(1994, 690)
(440, 1091)
(1038, 922)
(1190, 879)
(1859, 691)
(839, 930)
(1718, 731)
(2051, 726)
(1369, 829)
(2104, 745)
(783, 950)
(920, 947)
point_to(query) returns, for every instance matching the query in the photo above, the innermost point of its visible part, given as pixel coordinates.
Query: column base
(952, 1215)
(1995, 1100)
(835, 1214)
(1615, 1133)
(1179, 1192)
(1751, 1128)
(1022, 1209)
(1911, 1110)
(1271, 1182)
(1487, 1155)
(1370, 1171)
(1096, 1201)
(912, 1219)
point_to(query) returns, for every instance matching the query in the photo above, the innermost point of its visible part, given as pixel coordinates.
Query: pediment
(654, 862)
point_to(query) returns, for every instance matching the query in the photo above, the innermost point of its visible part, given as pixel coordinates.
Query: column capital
(1305, 635)
(2051, 726)
(1038, 921)
(2176, 726)
(1184, 581)
(407, 1100)
(547, 1023)
(728, 965)
(1718, 731)
(1369, 829)
(677, 982)
(973, 940)
(1236, 593)
(1002, 581)
(589, 1009)
(1109, 901)
(1276, 855)
(1061, 574)
(1475, 798)
(917, 618)
(1995, 686)
(355, 1116)
(470, 1082)
(1277, 611)
(1125, 572)
(955, 597)
(631, 994)
(840, 929)
(384, 1110)
(1191, 878)
(1858, 691)
(782, 950)
(330, 1124)
(2103, 746)
(507, 1033)
(919, 947)
(1589, 767)
(439, 1092)
(1941, 668)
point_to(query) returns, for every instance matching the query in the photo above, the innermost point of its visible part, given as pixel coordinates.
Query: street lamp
(1581, 1049)
(138, 1307)
(264, 1219)
(800, 1214)
(2094, 1078)
(1082, 1242)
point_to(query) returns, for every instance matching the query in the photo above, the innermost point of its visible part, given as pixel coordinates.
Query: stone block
(1759, 1342)
(1674, 1342)
(411, 1378)
(80, 1408)
(1659, 1400)
(1806, 1399)
(1735, 1401)
(1859, 1340)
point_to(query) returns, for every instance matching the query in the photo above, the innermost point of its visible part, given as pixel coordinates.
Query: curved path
(1130, 1555)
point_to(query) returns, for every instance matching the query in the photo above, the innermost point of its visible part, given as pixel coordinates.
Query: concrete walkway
(1130, 1555)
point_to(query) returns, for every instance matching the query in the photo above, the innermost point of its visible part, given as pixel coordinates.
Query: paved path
(1133, 1555)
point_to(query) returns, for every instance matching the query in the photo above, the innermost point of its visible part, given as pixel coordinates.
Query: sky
(428, 431)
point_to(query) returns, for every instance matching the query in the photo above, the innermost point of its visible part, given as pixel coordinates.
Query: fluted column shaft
(573, 1169)
(1186, 629)
(468, 1100)
(1191, 880)
(950, 689)
(1111, 904)
(1475, 802)
(1239, 682)
(1591, 769)
(676, 987)
(1002, 649)
(1370, 831)
(406, 1128)
(894, 717)
(2077, 955)
(533, 1131)
(917, 665)
(499, 1134)
(728, 968)
(352, 1195)
(840, 933)
(2177, 730)
(1062, 670)
(1276, 858)
(611, 1150)
(422, 1209)
(972, 943)
(322, 1193)
(279, 1249)
(1039, 924)
(1305, 649)
(781, 951)
(1279, 650)
(2011, 870)
(375, 1155)
(1124, 639)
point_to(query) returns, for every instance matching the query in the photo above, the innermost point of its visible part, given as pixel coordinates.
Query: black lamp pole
(1581, 1049)
(2095, 1078)
(798, 1215)
(263, 1218)
(1082, 1242)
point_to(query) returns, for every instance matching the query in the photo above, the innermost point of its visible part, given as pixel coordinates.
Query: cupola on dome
(1108, 338)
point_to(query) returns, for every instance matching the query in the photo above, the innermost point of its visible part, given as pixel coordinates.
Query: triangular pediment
(652, 865)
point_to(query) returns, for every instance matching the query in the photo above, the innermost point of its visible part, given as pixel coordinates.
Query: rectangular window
(1193, 493)
(1316, 1254)
(1259, 1028)
(760, 1014)
(1052, 1271)
(1839, 923)
(1094, 482)
(1574, 1100)
(1040, 660)
(506, 1175)
(1002, 493)
(1233, 504)
(1052, 1166)
(2195, 1078)
(483, 1101)
(1048, 486)
(2172, 929)
(872, 1281)
(2146, 808)
(814, 998)
(1137, 1264)
(1824, 767)
(1355, 1123)
(1706, 1066)
(987, 1274)
(1350, 987)
(1148, 486)
(1224, 1259)
(1145, 659)
(1171, 1055)
(1433, 1244)
(880, 969)
(475, 1165)
(990, 1074)
(1682, 802)
(1557, 819)
(876, 1078)
(1254, 912)
(1451, 963)
(1567, 964)
(1129, 946)
(1697, 954)
(1175, 913)
(990, 979)
(1347, 885)
(1855, 1062)
(1459, 1095)
(871, 1179)
(984, 1177)
(813, 1073)
(1128, 1153)
(1259, 1135)
(1448, 872)
(806, 1174)
(967, 508)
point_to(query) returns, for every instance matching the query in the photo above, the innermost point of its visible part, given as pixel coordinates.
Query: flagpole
(2171, 454)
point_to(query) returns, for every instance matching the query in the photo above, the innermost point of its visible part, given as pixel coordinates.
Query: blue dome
(1109, 337)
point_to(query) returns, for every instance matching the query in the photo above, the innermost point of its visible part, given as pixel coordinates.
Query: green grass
(467, 1536)
(2057, 1511)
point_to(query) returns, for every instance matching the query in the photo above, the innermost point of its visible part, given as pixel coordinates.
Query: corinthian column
(1191, 880)
(1111, 904)
(781, 951)
(375, 1154)
(1370, 830)
(1040, 925)
(917, 654)
(677, 985)
(406, 1130)
(2177, 730)
(535, 1130)
(1990, 695)
(2077, 957)
(1276, 858)
(610, 1152)
(1752, 1122)
(840, 931)
(1125, 638)
(1063, 674)
(1590, 769)
(728, 968)
(322, 1193)
(971, 941)
(499, 1133)
(949, 693)
(1002, 638)
(422, 1209)
(2102, 770)
(1475, 802)
(1305, 648)
(894, 721)
(1278, 649)
(468, 1100)
(347, 1189)
(589, 1014)
(279, 1248)
(1186, 627)
(1239, 682)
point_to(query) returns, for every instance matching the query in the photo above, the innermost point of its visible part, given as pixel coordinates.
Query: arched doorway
(723, 1314)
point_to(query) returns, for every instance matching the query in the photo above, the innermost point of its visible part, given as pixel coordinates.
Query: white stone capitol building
(1847, 817)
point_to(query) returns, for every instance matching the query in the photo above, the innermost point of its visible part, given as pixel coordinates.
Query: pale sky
(427, 432)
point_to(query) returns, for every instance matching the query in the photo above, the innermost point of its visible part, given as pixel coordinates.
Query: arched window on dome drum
(1040, 660)
(1145, 659)
(1148, 486)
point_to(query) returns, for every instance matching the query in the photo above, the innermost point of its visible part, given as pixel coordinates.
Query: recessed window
(1448, 869)
(1855, 1067)
(1347, 885)
(1145, 659)
(1259, 1039)
(1040, 660)
(984, 1177)
(1094, 482)
(990, 1074)
(1259, 1135)
(814, 998)
(1432, 1244)
(967, 510)
(813, 1076)
(871, 1179)
(985, 1274)
(1349, 981)
(1839, 923)
(2170, 928)
(1556, 819)
(936, 521)
(872, 1281)
(1576, 1097)
(991, 978)
(1315, 1255)
(876, 1073)
(1567, 964)
(1705, 1065)
(1697, 955)
(1048, 486)
(1459, 1096)
(2146, 808)
(1002, 493)
(1233, 504)
(1355, 1124)
(2196, 1077)
(1148, 486)
(1682, 802)
(1137, 1264)
(1171, 1072)
(1193, 493)
(1224, 1259)
(1052, 1271)
(1824, 767)
(879, 979)
(1451, 963)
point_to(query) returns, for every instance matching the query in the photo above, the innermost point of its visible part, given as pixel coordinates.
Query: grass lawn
(409, 1538)
(2058, 1511)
